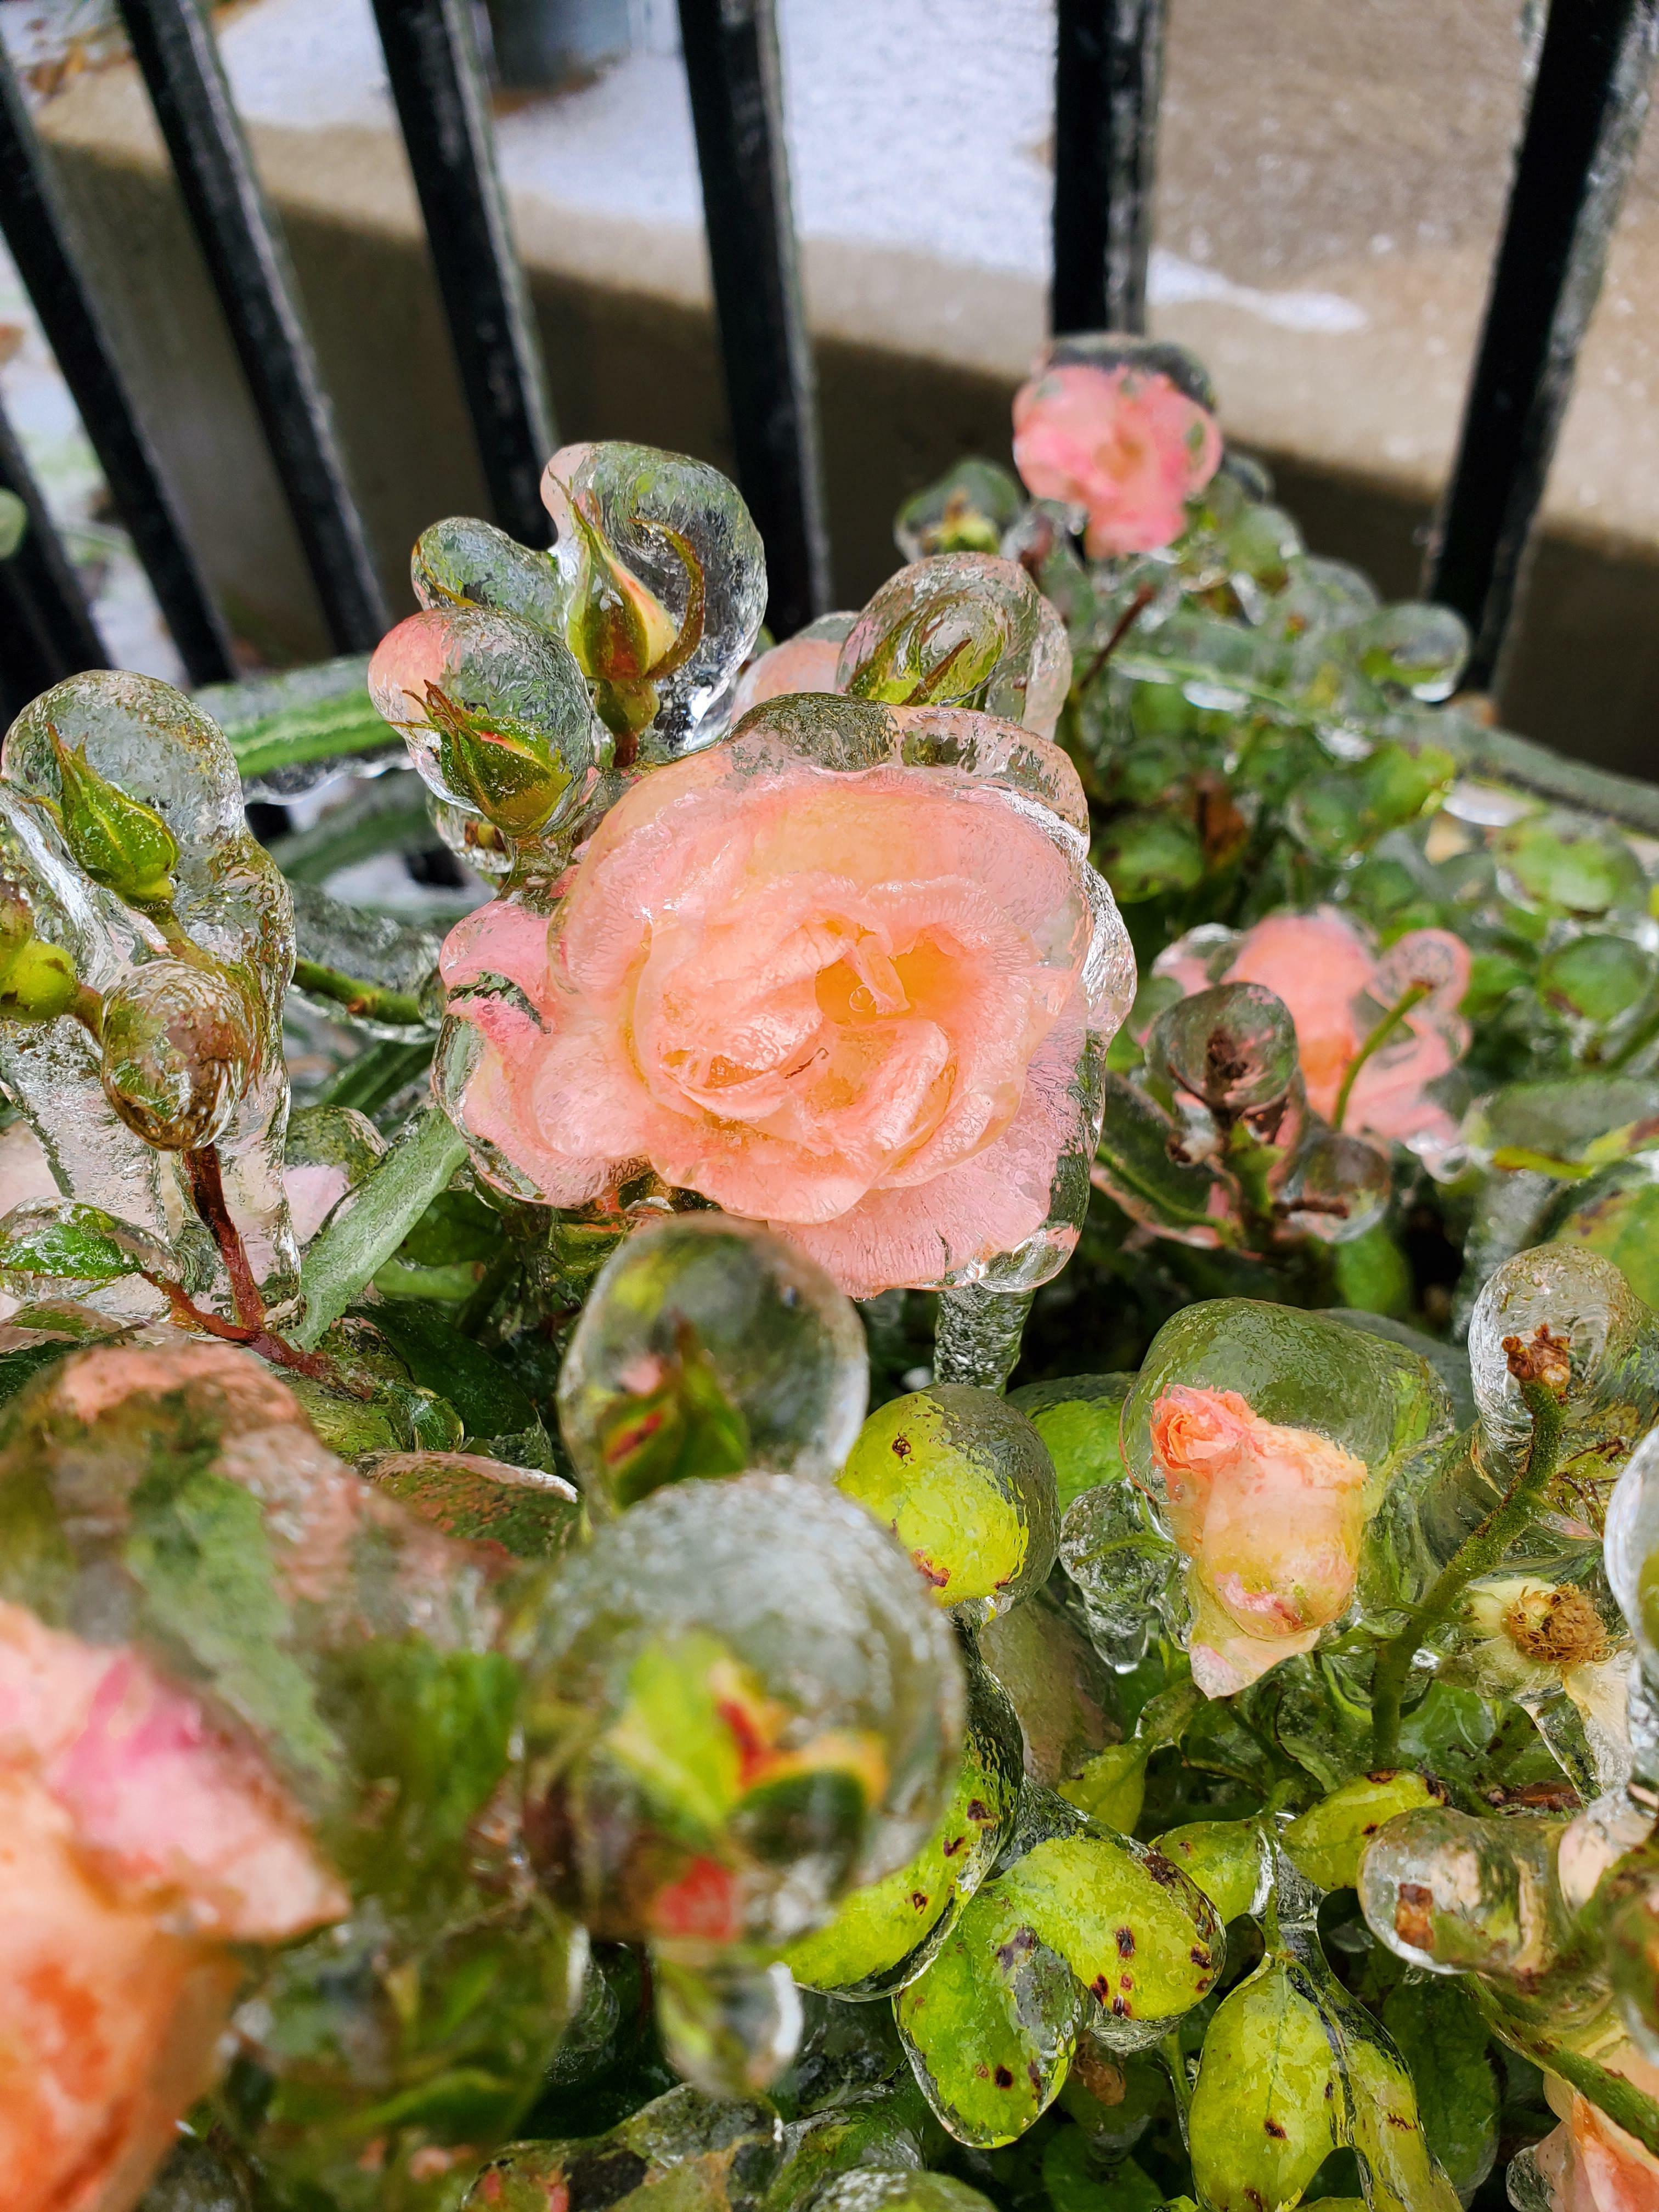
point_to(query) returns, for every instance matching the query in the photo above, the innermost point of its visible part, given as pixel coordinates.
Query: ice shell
(966, 629)
(462, 561)
(498, 676)
(822, 1635)
(1372, 1398)
(633, 495)
(1612, 1393)
(705, 1335)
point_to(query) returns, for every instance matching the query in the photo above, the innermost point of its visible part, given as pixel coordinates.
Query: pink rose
(1590, 2164)
(1337, 989)
(136, 1844)
(1125, 444)
(800, 663)
(1270, 1517)
(862, 1003)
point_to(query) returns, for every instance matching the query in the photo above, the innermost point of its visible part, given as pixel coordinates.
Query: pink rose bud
(1270, 1517)
(1125, 444)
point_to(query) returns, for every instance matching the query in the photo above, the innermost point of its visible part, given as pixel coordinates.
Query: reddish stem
(207, 1192)
(1126, 621)
(188, 1315)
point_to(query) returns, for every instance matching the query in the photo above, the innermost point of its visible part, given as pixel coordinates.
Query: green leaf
(1224, 1857)
(991, 2026)
(390, 1200)
(1443, 2040)
(1139, 1936)
(198, 1550)
(1268, 2108)
(13, 523)
(1078, 1420)
(60, 1238)
(487, 1398)
(1325, 1842)
(320, 713)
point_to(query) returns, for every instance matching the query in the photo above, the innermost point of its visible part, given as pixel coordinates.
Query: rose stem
(188, 1315)
(207, 1192)
(371, 1000)
(1378, 1037)
(1481, 1551)
(977, 1336)
(1126, 621)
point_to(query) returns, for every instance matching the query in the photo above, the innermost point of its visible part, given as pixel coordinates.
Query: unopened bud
(942, 654)
(38, 980)
(622, 635)
(510, 773)
(177, 1052)
(118, 842)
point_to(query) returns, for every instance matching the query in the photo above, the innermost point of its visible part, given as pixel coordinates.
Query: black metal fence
(1588, 98)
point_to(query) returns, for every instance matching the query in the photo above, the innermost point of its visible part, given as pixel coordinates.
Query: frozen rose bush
(849, 974)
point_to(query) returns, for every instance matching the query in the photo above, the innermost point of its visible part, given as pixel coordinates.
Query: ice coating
(1118, 438)
(1605, 1343)
(463, 562)
(742, 1704)
(267, 1698)
(961, 629)
(862, 1000)
(664, 579)
(965, 1483)
(227, 901)
(1264, 1439)
(53, 1069)
(1271, 1518)
(495, 716)
(709, 1347)
(805, 662)
(1337, 989)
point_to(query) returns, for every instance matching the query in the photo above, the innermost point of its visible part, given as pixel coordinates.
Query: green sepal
(118, 842)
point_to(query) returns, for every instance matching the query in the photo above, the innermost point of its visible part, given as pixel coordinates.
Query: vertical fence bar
(1109, 67)
(431, 56)
(47, 630)
(734, 77)
(248, 262)
(33, 221)
(1589, 97)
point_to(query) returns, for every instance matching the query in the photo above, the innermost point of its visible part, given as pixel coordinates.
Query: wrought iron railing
(1588, 95)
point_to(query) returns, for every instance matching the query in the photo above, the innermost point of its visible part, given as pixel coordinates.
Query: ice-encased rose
(137, 1844)
(850, 974)
(1271, 1518)
(1124, 443)
(1338, 988)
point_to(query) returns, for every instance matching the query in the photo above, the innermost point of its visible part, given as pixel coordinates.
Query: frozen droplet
(709, 1347)
(1335, 1188)
(742, 1704)
(1233, 1047)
